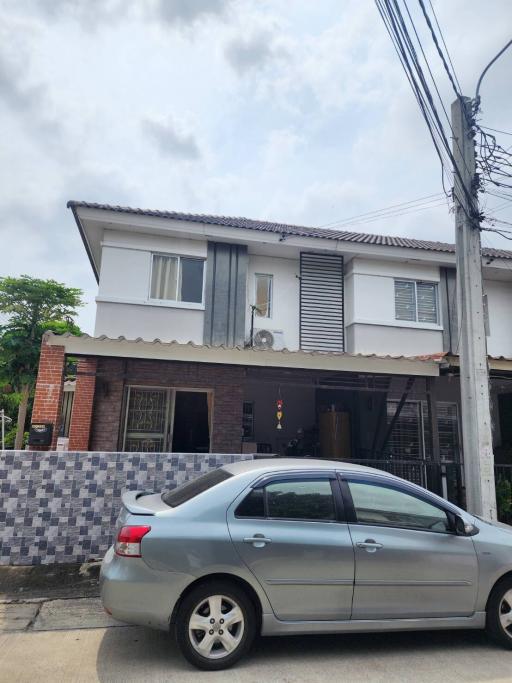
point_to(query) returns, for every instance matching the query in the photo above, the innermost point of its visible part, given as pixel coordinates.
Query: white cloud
(254, 52)
(190, 11)
(171, 139)
(292, 112)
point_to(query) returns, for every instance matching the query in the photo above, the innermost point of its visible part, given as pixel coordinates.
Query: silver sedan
(288, 546)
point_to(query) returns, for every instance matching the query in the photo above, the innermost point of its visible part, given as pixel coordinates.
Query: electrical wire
(496, 130)
(398, 31)
(398, 207)
(445, 46)
(440, 52)
(342, 226)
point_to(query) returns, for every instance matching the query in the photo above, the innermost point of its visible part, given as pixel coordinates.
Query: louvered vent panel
(321, 302)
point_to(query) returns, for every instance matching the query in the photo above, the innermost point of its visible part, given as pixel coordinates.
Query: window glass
(297, 499)
(191, 280)
(164, 277)
(405, 300)
(380, 505)
(252, 505)
(416, 301)
(405, 441)
(426, 293)
(193, 488)
(448, 426)
(248, 420)
(177, 279)
(263, 301)
(146, 419)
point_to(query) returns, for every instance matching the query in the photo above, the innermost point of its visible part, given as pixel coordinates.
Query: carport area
(403, 423)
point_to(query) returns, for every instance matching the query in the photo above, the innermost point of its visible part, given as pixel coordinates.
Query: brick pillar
(49, 387)
(81, 417)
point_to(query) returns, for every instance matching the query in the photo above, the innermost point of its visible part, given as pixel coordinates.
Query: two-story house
(218, 334)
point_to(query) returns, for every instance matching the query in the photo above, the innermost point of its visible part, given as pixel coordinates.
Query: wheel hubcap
(506, 613)
(216, 626)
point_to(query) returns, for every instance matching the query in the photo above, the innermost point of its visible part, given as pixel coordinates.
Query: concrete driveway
(133, 654)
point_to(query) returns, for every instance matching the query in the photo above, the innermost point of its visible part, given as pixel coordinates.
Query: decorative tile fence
(62, 506)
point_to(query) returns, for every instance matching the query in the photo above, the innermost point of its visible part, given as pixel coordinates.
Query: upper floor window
(263, 298)
(177, 278)
(416, 301)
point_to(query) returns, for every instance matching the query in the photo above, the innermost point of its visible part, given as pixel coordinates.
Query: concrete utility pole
(474, 375)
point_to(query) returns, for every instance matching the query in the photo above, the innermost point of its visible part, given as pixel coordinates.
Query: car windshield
(193, 488)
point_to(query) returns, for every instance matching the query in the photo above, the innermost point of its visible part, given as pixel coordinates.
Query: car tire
(499, 613)
(217, 644)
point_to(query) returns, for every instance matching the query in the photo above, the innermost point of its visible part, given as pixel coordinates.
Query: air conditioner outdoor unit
(268, 339)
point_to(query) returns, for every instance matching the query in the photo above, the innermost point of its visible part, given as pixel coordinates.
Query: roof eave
(121, 347)
(72, 205)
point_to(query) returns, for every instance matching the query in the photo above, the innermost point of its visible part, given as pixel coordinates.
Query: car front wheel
(215, 625)
(499, 613)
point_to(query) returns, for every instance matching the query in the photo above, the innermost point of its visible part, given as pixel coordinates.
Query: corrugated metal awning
(84, 345)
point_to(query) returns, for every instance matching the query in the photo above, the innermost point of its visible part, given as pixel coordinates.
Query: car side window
(384, 506)
(305, 499)
(252, 505)
(298, 499)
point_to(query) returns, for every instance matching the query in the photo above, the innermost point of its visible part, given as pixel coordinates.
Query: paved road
(73, 640)
(132, 654)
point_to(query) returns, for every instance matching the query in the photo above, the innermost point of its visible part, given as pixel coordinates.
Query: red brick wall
(80, 427)
(226, 381)
(108, 403)
(49, 387)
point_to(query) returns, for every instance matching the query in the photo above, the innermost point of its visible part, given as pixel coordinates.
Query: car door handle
(370, 545)
(258, 540)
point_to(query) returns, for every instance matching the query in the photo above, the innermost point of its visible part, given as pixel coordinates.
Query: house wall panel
(499, 301)
(149, 322)
(285, 304)
(114, 375)
(394, 341)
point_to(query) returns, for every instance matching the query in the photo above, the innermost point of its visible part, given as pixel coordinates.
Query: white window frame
(271, 302)
(177, 302)
(415, 283)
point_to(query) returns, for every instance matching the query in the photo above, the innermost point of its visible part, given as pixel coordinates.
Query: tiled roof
(292, 230)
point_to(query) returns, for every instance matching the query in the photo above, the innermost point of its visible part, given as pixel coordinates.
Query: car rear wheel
(215, 625)
(499, 613)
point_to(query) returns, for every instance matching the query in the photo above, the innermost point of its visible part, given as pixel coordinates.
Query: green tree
(31, 306)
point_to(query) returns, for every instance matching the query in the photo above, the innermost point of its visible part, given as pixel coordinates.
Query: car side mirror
(463, 528)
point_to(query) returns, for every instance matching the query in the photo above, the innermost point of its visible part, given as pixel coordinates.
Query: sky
(294, 111)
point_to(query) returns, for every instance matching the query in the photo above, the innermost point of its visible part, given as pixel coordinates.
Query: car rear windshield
(193, 488)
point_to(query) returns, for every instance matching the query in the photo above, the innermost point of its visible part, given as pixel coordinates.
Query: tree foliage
(31, 307)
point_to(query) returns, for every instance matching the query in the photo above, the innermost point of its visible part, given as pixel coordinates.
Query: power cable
(382, 217)
(400, 206)
(402, 42)
(440, 52)
(496, 130)
(445, 46)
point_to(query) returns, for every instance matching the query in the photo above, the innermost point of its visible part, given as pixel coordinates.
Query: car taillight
(128, 543)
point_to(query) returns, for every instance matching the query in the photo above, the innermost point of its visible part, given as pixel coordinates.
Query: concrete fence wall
(62, 506)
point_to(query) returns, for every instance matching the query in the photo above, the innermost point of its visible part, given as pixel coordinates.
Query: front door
(289, 534)
(408, 561)
(165, 419)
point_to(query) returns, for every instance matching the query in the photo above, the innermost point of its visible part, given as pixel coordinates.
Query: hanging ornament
(279, 413)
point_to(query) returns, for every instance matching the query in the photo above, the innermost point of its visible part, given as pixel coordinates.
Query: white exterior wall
(499, 302)
(285, 304)
(370, 321)
(123, 304)
(149, 322)
(124, 307)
